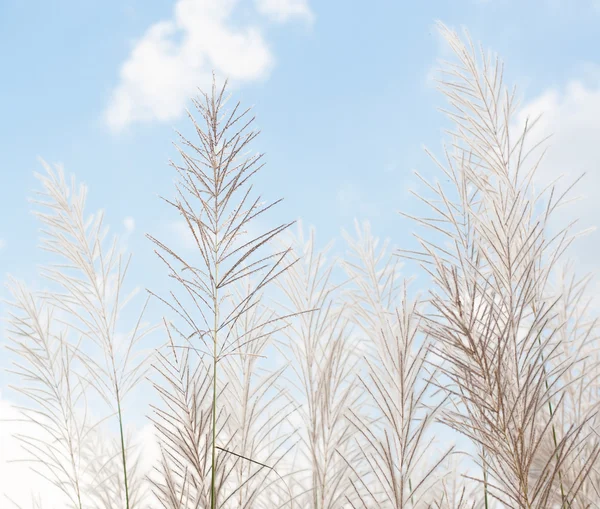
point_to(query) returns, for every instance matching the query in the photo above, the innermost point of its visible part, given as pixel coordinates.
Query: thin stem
(213, 494)
(123, 455)
(214, 423)
(485, 481)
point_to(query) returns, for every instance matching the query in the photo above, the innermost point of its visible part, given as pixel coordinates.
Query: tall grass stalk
(258, 405)
(491, 253)
(70, 346)
(215, 205)
(91, 297)
(321, 351)
(45, 364)
(398, 444)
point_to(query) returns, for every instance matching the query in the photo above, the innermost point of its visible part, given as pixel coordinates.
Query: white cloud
(20, 484)
(283, 10)
(176, 56)
(129, 224)
(572, 117)
(17, 482)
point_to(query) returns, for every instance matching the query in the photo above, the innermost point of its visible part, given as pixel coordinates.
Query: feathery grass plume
(55, 391)
(491, 254)
(173, 492)
(257, 407)
(103, 457)
(321, 352)
(90, 280)
(398, 447)
(578, 333)
(184, 430)
(214, 200)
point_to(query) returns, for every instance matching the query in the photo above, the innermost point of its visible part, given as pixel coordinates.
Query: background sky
(343, 93)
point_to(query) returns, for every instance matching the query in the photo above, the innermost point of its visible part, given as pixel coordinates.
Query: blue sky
(342, 94)
(342, 91)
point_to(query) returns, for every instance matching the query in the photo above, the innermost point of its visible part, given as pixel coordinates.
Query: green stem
(213, 494)
(123, 455)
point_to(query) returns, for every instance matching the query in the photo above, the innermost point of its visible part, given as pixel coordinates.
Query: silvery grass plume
(398, 448)
(578, 334)
(249, 424)
(258, 407)
(490, 253)
(183, 427)
(55, 392)
(214, 199)
(66, 372)
(321, 351)
(111, 491)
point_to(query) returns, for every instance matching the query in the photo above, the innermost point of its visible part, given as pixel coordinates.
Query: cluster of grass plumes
(69, 351)
(290, 379)
(509, 347)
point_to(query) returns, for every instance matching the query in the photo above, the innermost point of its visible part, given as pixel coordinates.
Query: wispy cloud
(281, 11)
(129, 224)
